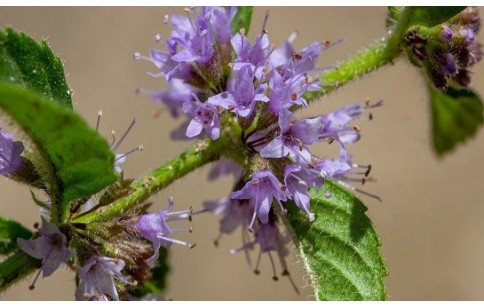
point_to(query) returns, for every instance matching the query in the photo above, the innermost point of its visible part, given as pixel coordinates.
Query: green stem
(377, 55)
(145, 186)
(16, 267)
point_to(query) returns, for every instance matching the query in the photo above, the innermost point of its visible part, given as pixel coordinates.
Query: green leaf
(340, 249)
(16, 267)
(242, 19)
(456, 117)
(31, 65)
(431, 16)
(77, 161)
(9, 232)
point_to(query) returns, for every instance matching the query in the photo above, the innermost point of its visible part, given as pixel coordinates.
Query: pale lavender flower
(243, 98)
(269, 239)
(97, 278)
(235, 213)
(204, 117)
(50, 246)
(254, 55)
(10, 159)
(177, 93)
(224, 166)
(195, 40)
(284, 93)
(290, 63)
(335, 125)
(154, 227)
(263, 187)
(293, 138)
(298, 180)
(344, 171)
(221, 21)
(468, 34)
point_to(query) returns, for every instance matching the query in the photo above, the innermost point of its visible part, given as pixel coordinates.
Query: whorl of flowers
(447, 51)
(216, 78)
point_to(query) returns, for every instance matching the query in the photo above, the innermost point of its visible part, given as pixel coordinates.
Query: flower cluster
(447, 51)
(111, 256)
(216, 78)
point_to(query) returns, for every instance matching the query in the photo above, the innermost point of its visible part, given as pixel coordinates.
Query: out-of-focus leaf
(242, 19)
(456, 117)
(430, 16)
(9, 232)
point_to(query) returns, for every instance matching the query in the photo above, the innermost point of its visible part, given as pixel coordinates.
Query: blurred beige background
(431, 217)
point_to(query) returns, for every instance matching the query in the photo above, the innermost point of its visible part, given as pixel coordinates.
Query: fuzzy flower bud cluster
(447, 51)
(215, 78)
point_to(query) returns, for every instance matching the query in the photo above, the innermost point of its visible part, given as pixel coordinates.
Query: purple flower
(290, 63)
(50, 246)
(335, 124)
(447, 33)
(269, 239)
(284, 93)
(225, 166)
(196, 42)
(468, 34)
(343, 171)
(221, 20)
(235, 213)
(97, 278)
(293, 138)
(298, 179)
(263, 188)
(154, 227)
(256, 54)
(178, 92)
(449, 67)
(10, 159)
(204, 116)
(244, 97)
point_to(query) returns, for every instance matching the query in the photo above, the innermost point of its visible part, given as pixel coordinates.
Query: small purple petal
(10, 159)
(50, 246)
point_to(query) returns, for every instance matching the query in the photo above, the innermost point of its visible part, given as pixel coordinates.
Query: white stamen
(125, 134)
(99, 115)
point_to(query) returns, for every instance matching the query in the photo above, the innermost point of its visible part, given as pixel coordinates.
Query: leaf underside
(81, 160)
(456, 117)
(340, 249)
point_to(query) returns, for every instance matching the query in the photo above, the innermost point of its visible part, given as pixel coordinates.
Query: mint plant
(239, 97)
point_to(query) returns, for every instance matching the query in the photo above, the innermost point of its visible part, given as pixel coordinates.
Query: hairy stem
(375, 56)
(198, 155)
